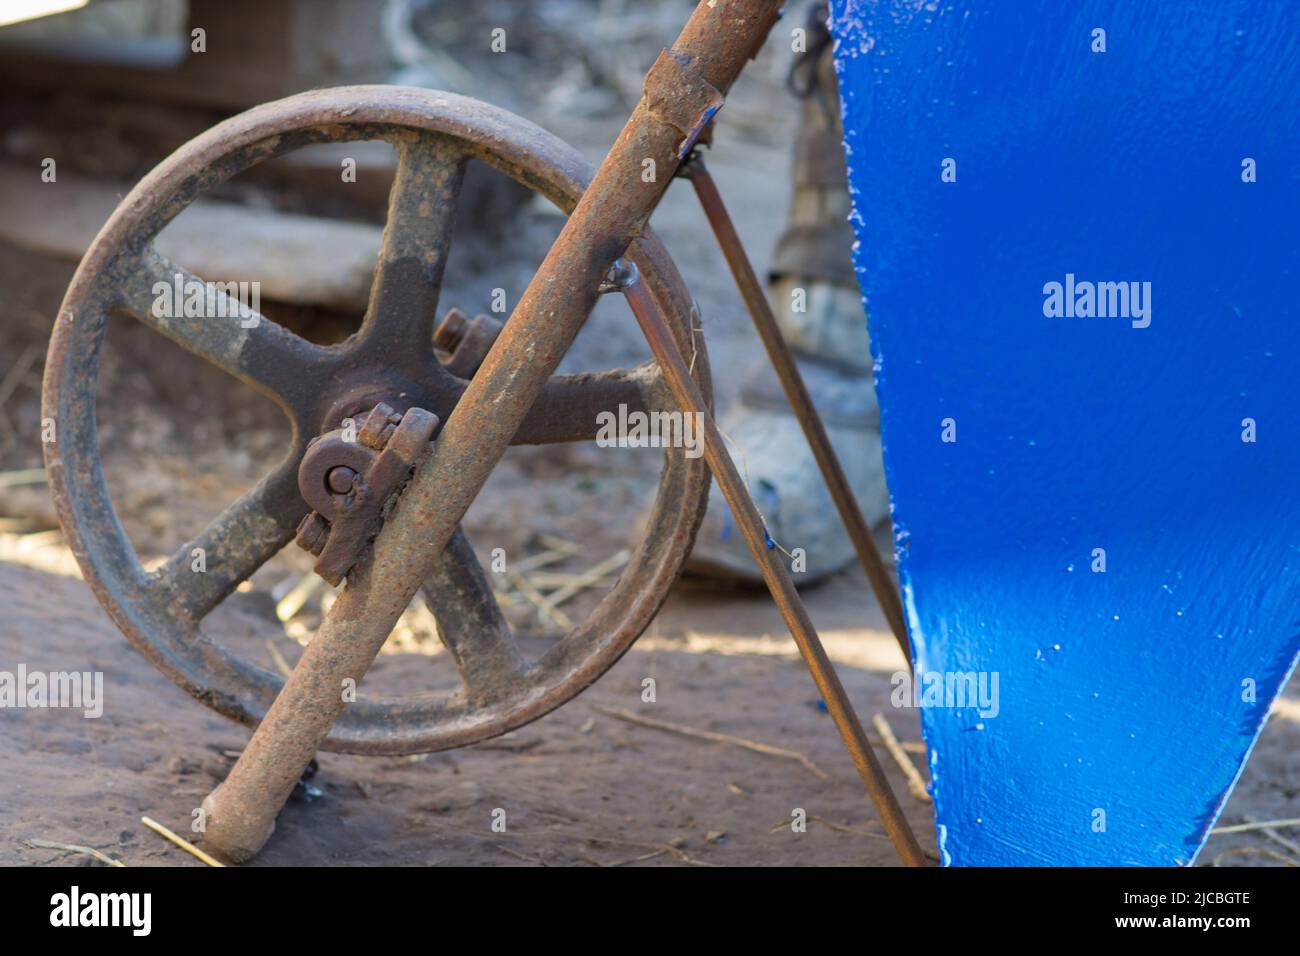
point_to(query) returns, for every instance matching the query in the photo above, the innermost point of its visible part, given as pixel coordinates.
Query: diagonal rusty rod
(777, 578)
(797, 394)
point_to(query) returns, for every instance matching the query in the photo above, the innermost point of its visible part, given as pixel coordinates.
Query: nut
(449, 332)
(313, 532)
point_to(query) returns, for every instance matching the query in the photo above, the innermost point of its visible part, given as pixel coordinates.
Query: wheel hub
(348, 475)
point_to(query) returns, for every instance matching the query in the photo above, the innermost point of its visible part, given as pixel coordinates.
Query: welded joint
(677, 95)
(691, 165)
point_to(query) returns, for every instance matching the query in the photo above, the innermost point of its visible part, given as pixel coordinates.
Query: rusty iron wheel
(391, 358)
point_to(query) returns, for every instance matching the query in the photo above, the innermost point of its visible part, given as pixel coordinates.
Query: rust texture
(675, 95)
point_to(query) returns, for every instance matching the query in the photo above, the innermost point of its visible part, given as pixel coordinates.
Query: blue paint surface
(1120, 691)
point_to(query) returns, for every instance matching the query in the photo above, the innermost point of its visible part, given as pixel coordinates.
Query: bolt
(340, 480)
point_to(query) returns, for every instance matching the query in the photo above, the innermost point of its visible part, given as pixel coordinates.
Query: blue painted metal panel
(1124, 712)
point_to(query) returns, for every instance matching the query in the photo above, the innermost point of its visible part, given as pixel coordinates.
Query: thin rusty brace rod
(777, 578)
(797, 393)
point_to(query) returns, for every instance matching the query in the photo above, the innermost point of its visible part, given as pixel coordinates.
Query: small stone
(182, 766)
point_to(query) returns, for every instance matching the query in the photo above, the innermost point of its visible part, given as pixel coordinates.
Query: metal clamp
(681, 98)
(348, 480)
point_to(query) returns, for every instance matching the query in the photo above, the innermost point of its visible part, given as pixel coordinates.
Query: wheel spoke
(421, 213)
(471, 624)
(229, 334)
(572, 407)
(249, 532)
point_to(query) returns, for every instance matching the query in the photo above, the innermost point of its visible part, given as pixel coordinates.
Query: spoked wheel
(390, 360)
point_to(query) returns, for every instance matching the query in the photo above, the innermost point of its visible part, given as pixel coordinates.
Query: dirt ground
(580, 786)
(577, 787)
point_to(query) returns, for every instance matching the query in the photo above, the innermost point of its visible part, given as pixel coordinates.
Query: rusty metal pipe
(800, 401)
(682, 91)
(777, 578)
